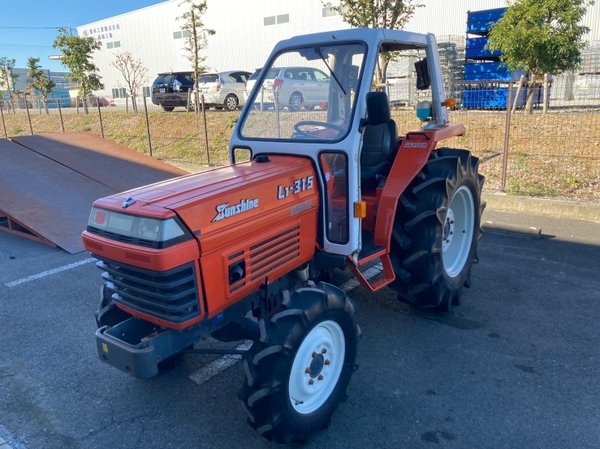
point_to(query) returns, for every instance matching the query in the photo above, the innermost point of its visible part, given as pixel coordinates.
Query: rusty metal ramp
(99, 159)
(49, 182)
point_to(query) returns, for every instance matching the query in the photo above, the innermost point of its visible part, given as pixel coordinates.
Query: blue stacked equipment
(486, 78)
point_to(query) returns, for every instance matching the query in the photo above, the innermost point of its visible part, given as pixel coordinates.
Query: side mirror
(423, 81)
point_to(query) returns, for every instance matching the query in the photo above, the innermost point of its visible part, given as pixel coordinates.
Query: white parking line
(33, 277)
(207, 372)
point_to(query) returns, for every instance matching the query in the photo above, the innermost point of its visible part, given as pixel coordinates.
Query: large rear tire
(299, 369)
(437, 227)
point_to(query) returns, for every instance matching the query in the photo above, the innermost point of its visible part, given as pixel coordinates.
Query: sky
(28, 28)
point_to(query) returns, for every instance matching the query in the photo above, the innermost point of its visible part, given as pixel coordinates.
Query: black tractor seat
(380, 138)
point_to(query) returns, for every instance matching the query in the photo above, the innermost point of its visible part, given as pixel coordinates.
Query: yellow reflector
(449, 103)
(360, 209)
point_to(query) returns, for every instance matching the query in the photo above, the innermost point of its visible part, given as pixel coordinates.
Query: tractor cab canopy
(310, 100)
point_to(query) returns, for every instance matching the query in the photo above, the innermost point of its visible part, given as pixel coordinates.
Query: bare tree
(133, 71)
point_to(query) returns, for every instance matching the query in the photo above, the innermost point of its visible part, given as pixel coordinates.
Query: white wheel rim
(458, 231)
(317, 367)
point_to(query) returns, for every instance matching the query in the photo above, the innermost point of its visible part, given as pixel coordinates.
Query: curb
(538, 206)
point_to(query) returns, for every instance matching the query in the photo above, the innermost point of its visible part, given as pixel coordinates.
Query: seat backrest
(380, 137)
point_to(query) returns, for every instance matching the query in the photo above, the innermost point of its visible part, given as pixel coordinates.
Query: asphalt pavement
(515, 365)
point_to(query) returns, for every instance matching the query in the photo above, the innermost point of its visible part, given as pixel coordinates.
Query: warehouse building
(246, 31)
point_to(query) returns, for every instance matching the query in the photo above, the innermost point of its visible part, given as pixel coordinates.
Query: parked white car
(291, 87)
(223, 89)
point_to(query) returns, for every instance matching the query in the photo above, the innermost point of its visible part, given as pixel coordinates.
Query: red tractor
(245, 251)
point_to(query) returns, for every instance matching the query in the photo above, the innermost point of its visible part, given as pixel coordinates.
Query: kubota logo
(225, 210)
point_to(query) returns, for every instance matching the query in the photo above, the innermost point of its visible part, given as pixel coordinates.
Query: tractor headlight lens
(156, 230)
(146, 228)
(109, 223)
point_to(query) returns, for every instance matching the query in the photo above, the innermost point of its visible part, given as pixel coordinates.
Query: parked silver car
(223, 89)
(292, 87)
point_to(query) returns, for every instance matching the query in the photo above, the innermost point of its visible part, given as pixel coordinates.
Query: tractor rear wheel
(297, 372)
(437, 227)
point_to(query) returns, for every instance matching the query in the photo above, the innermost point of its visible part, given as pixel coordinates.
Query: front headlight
(156, 230)
(109, 223)
(146, 228)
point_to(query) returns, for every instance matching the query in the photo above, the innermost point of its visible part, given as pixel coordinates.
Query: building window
(147, 92)
(181, 34)
(120, 92)
(109, 45)
(328, 12)
(117, 44)
(272, 20)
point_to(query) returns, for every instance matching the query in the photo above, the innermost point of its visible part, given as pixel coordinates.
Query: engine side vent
(273, 253)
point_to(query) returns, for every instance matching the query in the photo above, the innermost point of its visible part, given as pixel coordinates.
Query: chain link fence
(553, 154)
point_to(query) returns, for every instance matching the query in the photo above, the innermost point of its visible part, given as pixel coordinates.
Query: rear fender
(411, 158)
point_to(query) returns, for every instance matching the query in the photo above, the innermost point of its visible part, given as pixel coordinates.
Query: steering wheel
(298, 125)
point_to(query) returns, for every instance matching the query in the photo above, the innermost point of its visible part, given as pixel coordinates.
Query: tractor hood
(225, 196)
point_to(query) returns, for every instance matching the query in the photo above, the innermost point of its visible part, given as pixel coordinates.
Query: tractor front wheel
(299, 369)
(437, 227)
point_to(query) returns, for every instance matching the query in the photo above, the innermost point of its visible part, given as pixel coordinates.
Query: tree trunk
(546, 93)
(134, 103)
(530, 95)
(533, 83)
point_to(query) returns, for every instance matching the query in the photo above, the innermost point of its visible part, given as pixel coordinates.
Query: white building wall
(243, 42)
(147, 33)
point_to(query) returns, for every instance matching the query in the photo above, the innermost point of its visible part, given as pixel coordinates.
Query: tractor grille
(169, 295)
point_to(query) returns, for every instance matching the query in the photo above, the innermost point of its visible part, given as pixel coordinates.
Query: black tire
(231, 102)
(300, 346)
(431, 258)
(295, 102)
(168, 108)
